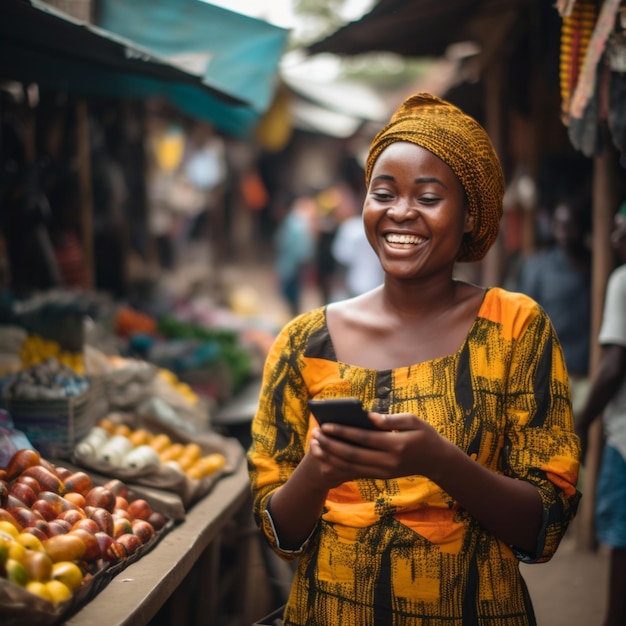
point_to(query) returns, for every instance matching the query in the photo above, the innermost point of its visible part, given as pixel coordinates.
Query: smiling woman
(473, 462)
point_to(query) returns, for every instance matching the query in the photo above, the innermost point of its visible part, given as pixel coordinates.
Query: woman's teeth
(403, 240)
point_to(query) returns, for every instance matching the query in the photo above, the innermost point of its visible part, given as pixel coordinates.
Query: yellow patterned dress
(403, 552)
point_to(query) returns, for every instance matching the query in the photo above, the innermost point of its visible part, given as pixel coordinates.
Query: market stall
(77, 419)
(111, 403)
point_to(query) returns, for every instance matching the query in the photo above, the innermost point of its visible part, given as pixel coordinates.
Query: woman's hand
(405, 445)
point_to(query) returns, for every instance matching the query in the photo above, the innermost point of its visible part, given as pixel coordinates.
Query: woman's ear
(469, 221)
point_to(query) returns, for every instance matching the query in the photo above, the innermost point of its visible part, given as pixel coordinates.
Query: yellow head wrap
(462, 143)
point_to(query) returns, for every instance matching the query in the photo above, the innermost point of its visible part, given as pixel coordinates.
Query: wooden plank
(135, 595)
(604, 203)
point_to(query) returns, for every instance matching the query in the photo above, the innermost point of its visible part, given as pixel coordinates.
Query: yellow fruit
(211, 463)
(160, 442)
(59, 591)
(171, 453)
(16, 551)
(30, 541)
(16, 572)
(107, 425)
(9, 528)
(194, 473)
(140, 437)
(4, 552)
(40, 589)
(68, 573)
(193, 451)
(185, 462)
(122, 429)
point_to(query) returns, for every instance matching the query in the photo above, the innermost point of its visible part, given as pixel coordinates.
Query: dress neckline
(452, 356)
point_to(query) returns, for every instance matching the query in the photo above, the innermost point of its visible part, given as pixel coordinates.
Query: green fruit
(16, 573)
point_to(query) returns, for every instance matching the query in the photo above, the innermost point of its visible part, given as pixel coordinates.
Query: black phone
(345, 411)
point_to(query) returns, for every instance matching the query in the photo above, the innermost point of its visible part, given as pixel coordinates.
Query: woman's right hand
(404, 445)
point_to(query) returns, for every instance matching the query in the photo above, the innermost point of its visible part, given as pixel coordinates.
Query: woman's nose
(403, 209)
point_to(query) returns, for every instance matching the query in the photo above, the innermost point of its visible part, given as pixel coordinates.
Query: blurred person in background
(352, 251)
(607, 398)
(295, 249)
(559, 279)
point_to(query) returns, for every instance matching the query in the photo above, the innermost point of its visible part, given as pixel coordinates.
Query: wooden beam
(604, 206)
(83, 150)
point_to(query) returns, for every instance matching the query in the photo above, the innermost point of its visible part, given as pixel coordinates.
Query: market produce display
(143, 449)
(125, 447)
(59, 530)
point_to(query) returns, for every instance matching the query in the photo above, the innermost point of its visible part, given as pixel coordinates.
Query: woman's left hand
(405, 445)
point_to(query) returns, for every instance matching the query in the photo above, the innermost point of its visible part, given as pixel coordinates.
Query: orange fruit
(38, 565)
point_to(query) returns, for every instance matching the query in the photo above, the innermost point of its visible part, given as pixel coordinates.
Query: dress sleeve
(279, 428)
(540, 445)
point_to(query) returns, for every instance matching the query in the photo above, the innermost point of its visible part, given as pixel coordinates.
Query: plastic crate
(55, 426)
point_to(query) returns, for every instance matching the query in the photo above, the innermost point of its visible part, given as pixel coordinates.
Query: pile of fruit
(37, 349)
(122, 446)
(58, 529)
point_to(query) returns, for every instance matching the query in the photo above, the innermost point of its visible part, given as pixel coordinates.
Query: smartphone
(345, 411)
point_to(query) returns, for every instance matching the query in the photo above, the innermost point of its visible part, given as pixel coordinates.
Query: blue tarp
(237, 54)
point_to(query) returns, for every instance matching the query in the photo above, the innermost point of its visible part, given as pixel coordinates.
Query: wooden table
(187, 568)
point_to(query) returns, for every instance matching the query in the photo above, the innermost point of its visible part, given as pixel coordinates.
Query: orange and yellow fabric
(420, 558)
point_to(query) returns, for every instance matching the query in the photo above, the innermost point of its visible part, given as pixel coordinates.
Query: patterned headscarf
(462, 143)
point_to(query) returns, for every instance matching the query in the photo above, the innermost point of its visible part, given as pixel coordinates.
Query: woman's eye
(381, 195)
(429, 200)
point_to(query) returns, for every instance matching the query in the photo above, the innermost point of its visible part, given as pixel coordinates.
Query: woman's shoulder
(505, 305)
(304, 325)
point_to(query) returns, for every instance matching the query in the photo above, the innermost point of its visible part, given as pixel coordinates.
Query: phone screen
(345, 411)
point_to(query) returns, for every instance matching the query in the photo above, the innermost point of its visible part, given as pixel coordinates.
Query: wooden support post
(83, 149)
(493, 264)
(604, 206)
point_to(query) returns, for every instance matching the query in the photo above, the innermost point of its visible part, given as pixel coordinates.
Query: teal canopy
(234, 53)
(43, 45)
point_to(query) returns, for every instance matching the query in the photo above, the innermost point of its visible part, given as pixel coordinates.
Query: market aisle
(569, 590)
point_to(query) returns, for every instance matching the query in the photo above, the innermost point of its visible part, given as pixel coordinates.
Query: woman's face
(415, 211)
